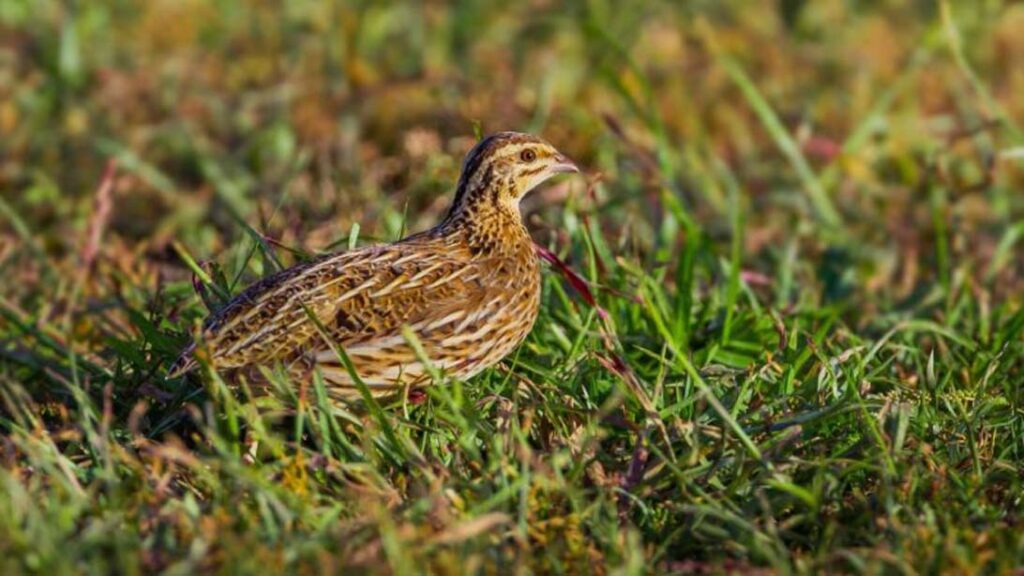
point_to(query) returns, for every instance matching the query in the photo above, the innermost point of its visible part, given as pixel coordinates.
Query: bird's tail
(185, 362)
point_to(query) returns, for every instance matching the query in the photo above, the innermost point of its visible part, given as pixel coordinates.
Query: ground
(795, 344)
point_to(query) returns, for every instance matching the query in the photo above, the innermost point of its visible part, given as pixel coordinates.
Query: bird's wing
(432, 293)
(360, 298)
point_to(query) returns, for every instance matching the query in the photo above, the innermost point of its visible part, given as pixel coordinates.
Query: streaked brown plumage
(469, 289)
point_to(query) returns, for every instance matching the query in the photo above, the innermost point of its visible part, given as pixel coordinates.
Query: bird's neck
(489, 222)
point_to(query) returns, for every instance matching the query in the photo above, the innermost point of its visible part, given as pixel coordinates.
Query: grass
(800, 231)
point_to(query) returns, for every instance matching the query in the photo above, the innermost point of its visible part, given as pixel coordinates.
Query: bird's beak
(563, 165)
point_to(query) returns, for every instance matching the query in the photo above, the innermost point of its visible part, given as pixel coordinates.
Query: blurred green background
(806, 213)
(213, 106)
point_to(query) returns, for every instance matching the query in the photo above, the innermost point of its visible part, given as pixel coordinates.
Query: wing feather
(363, 298)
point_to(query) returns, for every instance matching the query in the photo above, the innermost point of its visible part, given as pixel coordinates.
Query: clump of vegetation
(797, 345)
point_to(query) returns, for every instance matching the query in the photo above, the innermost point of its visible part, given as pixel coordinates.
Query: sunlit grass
(800, 227)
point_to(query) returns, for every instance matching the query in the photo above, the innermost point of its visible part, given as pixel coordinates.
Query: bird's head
(504, 167)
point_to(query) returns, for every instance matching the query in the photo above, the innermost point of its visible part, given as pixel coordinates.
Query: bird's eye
(528, 155)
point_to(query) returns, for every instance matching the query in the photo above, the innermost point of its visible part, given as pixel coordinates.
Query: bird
(467, 291)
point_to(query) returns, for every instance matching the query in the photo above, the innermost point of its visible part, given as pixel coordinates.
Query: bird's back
(466, 310)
